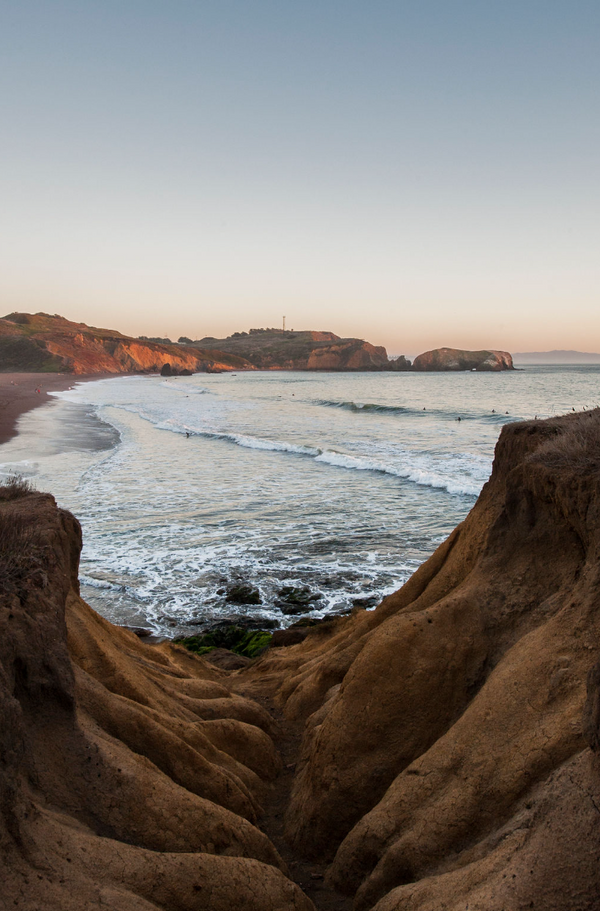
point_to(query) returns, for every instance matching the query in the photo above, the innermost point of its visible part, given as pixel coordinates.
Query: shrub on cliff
(16, 486)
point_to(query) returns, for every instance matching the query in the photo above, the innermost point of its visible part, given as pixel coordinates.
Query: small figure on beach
(187, 435)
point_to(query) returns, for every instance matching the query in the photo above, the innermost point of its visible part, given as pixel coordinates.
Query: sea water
(338, 483)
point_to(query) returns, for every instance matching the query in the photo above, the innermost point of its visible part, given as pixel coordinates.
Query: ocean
(336, 485)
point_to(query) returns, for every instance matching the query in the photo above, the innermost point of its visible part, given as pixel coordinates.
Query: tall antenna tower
(284, 323)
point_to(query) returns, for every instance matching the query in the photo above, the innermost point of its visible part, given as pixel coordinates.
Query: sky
(418, 174)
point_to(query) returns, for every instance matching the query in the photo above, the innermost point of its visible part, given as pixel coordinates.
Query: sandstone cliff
(50, 343)
(444, 762)
(40, 342)
(274, 349)
(457, 359)
(130, 777)
(450, 746)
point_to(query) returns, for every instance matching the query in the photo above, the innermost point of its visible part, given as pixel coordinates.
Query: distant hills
(558, 356)
(52, 344)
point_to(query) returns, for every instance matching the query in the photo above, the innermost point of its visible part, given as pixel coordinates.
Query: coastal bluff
(52, 344)
(442, 750)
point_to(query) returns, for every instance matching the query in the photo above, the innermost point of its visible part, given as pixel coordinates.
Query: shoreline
(18, 395)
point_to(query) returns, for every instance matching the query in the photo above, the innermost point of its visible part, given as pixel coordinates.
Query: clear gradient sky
(418, 173)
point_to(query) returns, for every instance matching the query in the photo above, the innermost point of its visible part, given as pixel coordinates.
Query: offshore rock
(457, 359)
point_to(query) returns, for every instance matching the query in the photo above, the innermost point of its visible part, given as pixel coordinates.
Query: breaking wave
(425, 476)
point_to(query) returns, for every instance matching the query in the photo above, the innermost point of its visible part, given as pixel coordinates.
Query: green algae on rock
(248, 643)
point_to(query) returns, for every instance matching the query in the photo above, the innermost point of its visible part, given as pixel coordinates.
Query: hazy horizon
(419, 175)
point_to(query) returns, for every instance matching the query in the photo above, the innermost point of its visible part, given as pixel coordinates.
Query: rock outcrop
(130, 777)
(444, 761)
(457, 359)
(348, 355)
(451, 737)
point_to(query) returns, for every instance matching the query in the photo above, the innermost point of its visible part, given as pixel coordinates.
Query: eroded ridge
(441, 751)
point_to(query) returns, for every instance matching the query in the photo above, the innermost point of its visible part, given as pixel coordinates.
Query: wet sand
(18, 394)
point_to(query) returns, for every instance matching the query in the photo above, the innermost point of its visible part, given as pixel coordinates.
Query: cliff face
(51, 343)
(457, 359)
(43, 342)
(39, 342)
(444, 761)
(354, 355)
(272, 349)
(450, 743)
(130, 777)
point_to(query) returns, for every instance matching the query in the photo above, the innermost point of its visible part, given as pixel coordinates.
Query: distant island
(557, 356)
(52, 344)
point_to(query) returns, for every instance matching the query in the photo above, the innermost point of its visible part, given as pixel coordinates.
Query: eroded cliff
(449, 750)
(130, 777)
(274, 349)
(40, 342)
(444, 761)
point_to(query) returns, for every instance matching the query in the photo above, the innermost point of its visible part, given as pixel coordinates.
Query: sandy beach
(21, 392)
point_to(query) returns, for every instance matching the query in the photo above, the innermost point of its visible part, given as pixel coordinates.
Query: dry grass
(573, 444)
(15, 487)
(22, 551)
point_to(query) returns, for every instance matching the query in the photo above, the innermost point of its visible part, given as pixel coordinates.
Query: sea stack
(459, 359)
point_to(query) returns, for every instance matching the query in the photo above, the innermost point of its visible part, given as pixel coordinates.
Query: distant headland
(52, 344)
(556, 357)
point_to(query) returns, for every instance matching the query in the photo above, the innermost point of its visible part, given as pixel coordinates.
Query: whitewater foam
(345, 488)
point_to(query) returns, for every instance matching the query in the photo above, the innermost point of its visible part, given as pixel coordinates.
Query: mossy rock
(248, 643)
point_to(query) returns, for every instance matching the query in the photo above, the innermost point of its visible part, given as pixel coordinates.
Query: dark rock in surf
(243, 622)
(294, 599)
(243, 593)
(368, 601)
